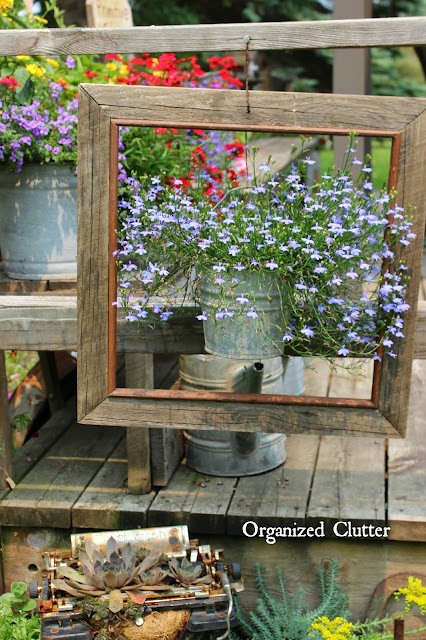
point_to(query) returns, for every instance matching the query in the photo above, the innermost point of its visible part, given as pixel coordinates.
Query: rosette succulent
(108, 575)
(153, 579)
(187, 573)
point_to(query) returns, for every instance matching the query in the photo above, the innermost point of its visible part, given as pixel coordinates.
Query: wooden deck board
(349, 482)
(407, 468)
(80, 481)
(27, 456)
(48, 492)
(191, 498)
(105, 503)
(280, 496)
(349, 479)
(48, 322)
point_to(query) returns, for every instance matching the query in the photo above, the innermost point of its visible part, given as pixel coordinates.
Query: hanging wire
(247, 40)
(246, 152)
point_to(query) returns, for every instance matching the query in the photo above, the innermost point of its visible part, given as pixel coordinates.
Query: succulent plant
(153, 578)
(102, 576)
(187, 572)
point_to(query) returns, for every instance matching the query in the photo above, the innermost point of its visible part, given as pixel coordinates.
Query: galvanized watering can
(225, 453)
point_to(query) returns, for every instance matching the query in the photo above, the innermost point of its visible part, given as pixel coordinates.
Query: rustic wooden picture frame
(102, 109)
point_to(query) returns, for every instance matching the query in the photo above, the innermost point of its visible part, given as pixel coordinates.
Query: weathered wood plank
(46, 495)
(349, 483)
(6, 460)
(324, 34)
(139, 374)
(411, 188)
(38, 322)
(22, 551)
(27, 456)
(10, 285)
(420, 335)
(349, 479)
(407, 468)
(106, 504)
(190, 498)
(190, 107)
(93, 251)
(282, 495)
(278, 497)
(175, 413)
(50, 323)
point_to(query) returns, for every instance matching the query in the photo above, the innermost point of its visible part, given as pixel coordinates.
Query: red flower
(228, 62)
(113, 56)
(10, 82)
(91, 74)
(235, 148)
(137, 61)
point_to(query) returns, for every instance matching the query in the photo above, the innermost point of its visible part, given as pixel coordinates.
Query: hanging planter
(251, 318)
(307, 236)
(38, 222)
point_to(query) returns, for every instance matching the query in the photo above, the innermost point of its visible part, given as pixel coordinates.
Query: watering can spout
(246, 379)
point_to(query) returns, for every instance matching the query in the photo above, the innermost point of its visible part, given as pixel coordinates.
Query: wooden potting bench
(74, 476)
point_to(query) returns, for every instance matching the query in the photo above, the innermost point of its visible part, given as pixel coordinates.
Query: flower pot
(38, 222)
(242, 334)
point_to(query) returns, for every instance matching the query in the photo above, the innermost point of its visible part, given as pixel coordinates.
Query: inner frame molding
(102, 109)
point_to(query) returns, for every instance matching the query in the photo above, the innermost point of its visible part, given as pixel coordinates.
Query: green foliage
(18, 363)
(16, 599)
(387, 78)
(109, 626)
(19, 627)
(290, 618)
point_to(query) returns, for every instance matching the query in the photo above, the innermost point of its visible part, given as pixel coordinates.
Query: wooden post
(351, 71)
(398, 629)
(140, 375)
(6, 461)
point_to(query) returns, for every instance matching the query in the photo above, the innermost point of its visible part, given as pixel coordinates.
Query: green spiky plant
(290, 618)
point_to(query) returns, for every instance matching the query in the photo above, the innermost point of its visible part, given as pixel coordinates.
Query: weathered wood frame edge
(101, 108)
(320, 34)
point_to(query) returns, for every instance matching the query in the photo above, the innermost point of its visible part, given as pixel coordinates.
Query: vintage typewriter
(210, 604)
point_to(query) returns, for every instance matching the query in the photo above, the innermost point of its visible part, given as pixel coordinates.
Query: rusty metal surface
(171, 540)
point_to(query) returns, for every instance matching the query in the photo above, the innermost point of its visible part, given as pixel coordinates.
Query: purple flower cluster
(39, 132)
(332, 244)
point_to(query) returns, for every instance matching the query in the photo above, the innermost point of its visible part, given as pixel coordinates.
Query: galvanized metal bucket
(240, 335)
(38, 222)
(224, 453)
